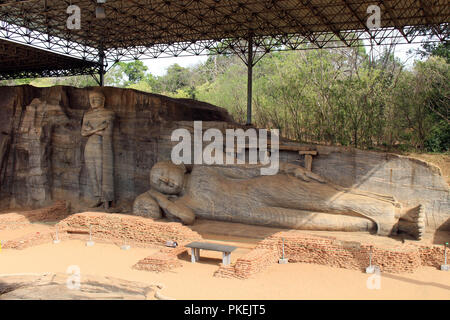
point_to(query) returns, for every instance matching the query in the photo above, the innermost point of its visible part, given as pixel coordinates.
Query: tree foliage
(336, 96)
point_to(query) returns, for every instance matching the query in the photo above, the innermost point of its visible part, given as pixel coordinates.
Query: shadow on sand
(417, 282)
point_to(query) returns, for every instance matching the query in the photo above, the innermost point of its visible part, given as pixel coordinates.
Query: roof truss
(141, 29)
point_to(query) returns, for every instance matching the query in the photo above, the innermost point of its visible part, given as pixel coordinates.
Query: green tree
(440, 49)
(423, 101)
(135, 71)
(176, 78)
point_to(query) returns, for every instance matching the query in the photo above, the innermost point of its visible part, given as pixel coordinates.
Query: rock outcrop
(409, 180)
(55, 286)
(42, 152)
(41, 146)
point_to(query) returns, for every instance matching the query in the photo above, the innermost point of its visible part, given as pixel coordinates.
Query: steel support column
(102, 66)
(249, 80)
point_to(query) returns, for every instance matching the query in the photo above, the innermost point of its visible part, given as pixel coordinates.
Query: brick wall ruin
(252, 263)
(329, 251)
(409, 180)
(107, 228)
(17, 220)
(299, 247)
(164, 260)
(126, 228)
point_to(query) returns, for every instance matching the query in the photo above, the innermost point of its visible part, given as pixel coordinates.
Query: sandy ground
(196, 281)
(24, 231)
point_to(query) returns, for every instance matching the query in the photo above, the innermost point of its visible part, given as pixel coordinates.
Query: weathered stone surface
(42, 151)
(98, 126)
(295, 198)
(54, 287)
(409, 180)
(42, 155)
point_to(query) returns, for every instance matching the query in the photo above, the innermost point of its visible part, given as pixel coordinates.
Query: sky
(158, 67)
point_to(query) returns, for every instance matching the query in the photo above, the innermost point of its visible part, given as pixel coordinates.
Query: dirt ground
(196, 281)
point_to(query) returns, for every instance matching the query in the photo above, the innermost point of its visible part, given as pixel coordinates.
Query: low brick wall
(107, 228)
(17, 220)
(352, 255)
(32, 239)
(252, 263)
(299, 247)
(57, 211)
(122, 228)
(329, 251)
(164, 260)
(432, 256)
(13, 221)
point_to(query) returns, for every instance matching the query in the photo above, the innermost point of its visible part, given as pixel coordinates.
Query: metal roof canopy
(22, 61)
(140, 29)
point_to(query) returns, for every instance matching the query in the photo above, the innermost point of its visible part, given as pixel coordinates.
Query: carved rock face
(167, 178)
(42, 156)
(97, 100)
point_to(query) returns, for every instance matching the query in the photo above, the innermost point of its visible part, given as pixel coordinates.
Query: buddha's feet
(413, 222)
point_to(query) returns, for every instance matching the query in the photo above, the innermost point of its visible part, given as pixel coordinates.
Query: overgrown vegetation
(337, 96)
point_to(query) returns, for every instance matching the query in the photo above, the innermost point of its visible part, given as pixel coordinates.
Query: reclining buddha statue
(295, 198)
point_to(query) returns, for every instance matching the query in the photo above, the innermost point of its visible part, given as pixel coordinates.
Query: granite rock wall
(410, 181)
(41, 151)
(41, 147)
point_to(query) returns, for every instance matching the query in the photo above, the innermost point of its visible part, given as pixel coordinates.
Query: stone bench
(197, 246)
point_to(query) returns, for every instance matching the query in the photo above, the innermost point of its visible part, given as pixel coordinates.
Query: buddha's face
(167, 178)
(97, 100)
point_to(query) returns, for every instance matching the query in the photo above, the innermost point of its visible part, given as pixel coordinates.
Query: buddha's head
(167, 177)
(96, 99)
